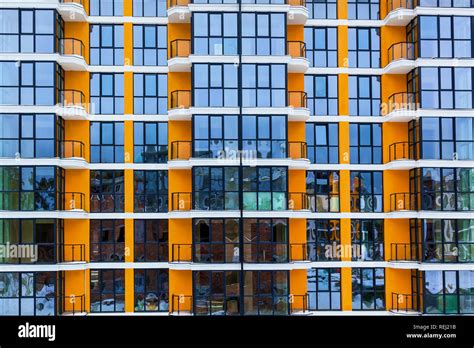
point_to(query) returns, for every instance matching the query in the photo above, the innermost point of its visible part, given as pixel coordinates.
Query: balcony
(407, 304)
(401, 156)
(179, 61)
(180, 105)
(401, 58)
(405, 252)
(298, 106)
(298, 252)
(399, 12)
(178, 11)
(299, 304)
(72, 253)
(297, 51)
(69, 149)
(402, 201)
(181, 304)
(182, 253)
(72, 105)
(401, 107)
(72, 54)
(72, 10)
(71, 305)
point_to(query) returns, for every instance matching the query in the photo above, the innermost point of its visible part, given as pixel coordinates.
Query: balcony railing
(181, 304)
(396, 4)
(298, 303)
(402, 201)
(298, 201)
(399, 151)
(71, 47)
(72, 304)
(405, 251)
(181, 253)
(71, 97)
(401, 101)
(296, 49)
(297, 149)
(297, 99)
(173, 3)
(405, 303)
(181, 150)
(298, 252)
(72, 252)
(42, 201)
(180, 99)
(401, 50)
(181, 201)
(71, 149)
(180, 48)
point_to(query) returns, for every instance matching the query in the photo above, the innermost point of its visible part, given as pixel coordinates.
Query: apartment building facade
(226, 157)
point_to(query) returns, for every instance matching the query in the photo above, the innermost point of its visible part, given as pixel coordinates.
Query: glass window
(322, 141)
(151, 191)
(363, 9)
(150, 92)
(264, 85)
(106, 94)
(106, 8)
(216, 240)
(322, 94)
(265, 188)
(107, 290)
(216, 188)
(106, 44)
(266, 292)
(367, 239)
(321, 46)
(364, 95)
(265, 240)
(215, 136)
(215, 85)
(365, 143)
(322, 188)
(107, 191)
(322, 9)
(324, 289)
(107, 240)
(368, 289)
(151, 240)
(364, 47)
(264, 136)
(151, 290)
(150, 141)
(366, 192)
(149, 8)
(445, 3)
(323, 240)
(150, 45)
(263, 34)
(215, 33)
(107, 141)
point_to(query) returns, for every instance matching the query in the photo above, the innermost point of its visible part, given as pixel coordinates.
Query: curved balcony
(297, 51)
(182, 253)
(72, 10)
(402, 201)
(399, 151)
(401, 58)
(405, 252)
(179, 61)
(401, 106)
(71, 149)
(298, 106)
(180, 103)
(72, 54)
(73, 105)
(181, 304)
(405, 304)
(399, 12)
(178, 11)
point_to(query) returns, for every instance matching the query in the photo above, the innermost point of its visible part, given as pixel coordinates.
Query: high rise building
(217, 157)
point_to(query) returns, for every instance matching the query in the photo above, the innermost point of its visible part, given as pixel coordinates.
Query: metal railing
(296, 49)
(181, 149)
(181, 303)
(396, 4)
(72, 304)
(297, 99)
(71, 149)
(181, 253)
(401, 50)
(181, 201)
(399, 151)
(402, 201)
(173, 3)
(299, 303)
(298, 252)
(405, 251)
(180, 99)
(401, 101)
(298, 201)
(405, 302)
(71, 97)
(71, 47)
(297, 149)
(180, 48)
(72, 252)
(41, 201)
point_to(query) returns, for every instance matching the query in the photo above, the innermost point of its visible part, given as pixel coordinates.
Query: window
(30, 136)
(215, 136)
(29, 31)
(445, 3)
(264, 136)
(106, 44)
(150, 142)
(151, 290)
(324, 289)
(266, 240)
(367, 238)
(442, 138)
(214, 33)
(107, 290)
(266, 292)
(150, 45)
(363, 9)
(150, 94)
(446, 189)
(265, 188)
(322, 141)
(368, 289)
(216, 240)
(107, 141)
(32, 293)
(443, 240)
(106, 8)
(444, 88)
(151, 240)
(322, 9)
(151, 191)
(107, 240)
(107, 94)
(322, 188)
(364, 47)
(366, 192)
(263, 34)
(364, 95)
(216, 188)
(107, 191)
(323, 240)
(443, 36)
(149, 8)
(28, 233)
(366, 143)
(30, 83)
(264, 85)
(216, 293)
(321, 46)
(322, 94)
(215, 85)
(31, 188)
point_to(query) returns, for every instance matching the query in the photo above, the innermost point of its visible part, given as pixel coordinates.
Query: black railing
(180, 99)
(401, 50)
(73, 200)
(405, 302)
(181, 201)
(297, 149)
(298, 201)
(181, 253)
(399, 151)
(298, 252)
(405, 251)
(173, 3)
(70, 46)
(181, 150)
(297, 99)
(396, 4)
(180, 48)
(180, 303)
(71, 149)
(296, 49)
(402, 201)
(298, 303)
(72, 252)
(72, 304)
(401, 101)
(71, 97)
